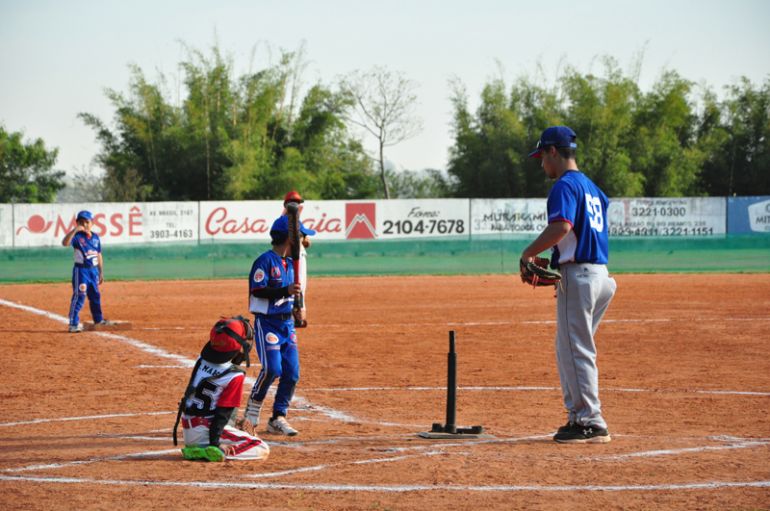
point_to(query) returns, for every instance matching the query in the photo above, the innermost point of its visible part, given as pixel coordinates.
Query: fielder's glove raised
(537, 273)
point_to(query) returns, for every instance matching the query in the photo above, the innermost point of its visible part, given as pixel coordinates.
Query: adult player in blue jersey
(577, 234)
(272, 288)
(88, 272)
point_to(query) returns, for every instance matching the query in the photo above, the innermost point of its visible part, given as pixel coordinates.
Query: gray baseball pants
(583, 296)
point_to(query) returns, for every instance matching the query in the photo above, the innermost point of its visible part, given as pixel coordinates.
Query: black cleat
(577, 434)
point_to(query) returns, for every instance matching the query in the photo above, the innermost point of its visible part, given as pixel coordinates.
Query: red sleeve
(231, 396)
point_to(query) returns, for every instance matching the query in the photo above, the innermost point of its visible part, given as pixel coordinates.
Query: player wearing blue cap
(577, 235)
(88, 271)
(272, 288)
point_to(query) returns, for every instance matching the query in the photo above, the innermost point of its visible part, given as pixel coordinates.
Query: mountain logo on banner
(360, 221)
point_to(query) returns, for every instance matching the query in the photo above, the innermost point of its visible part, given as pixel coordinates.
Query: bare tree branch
(383, 106)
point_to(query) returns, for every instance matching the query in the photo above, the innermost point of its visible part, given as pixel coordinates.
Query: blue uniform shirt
(271, 270)
(577, 200)
(87, 249)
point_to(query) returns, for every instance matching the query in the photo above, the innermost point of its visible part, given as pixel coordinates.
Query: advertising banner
(6, 226)
(748, 215)
(408, 218)
(237, 220)
(685, 216)
(338, 220)
(117, 223)
(508, 216)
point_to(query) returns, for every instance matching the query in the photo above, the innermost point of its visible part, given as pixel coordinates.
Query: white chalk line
(319, 468)
(118, 457)
(147, 366)
(744, 444)
(439, 449)
(83, 418)
(432, 449)
(332, 413)
(532, 322)
(331, 487)
(528, 388)
(179, 359)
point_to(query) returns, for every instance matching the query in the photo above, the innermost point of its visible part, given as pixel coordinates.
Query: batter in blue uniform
(577, 234)
(87, 273)
(272, 288)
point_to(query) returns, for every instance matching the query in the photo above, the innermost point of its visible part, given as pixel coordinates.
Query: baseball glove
(537, 273)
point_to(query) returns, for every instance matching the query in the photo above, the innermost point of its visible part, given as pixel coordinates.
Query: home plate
(109, 327)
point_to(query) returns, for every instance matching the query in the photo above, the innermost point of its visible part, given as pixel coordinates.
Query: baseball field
(684, 378)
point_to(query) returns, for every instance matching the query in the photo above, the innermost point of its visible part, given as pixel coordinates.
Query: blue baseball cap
(85, 215)
(558, 136)
(281, 225)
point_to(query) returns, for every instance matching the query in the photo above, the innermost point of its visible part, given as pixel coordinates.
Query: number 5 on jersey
(594, 210)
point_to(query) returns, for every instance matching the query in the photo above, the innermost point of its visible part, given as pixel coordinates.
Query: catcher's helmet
(230, 339)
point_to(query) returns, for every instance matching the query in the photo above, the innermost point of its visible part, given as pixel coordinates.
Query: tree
(230, 137)
(384, 107)
(630, 142)
(424, 184)
(601, 111)
(489, 158)
(662, 144)
(26, 170)
(735, 136)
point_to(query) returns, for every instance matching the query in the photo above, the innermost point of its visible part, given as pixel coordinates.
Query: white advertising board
(339, 220)
(684, 216)
(508, 216)
(414, 218)
(117, 223)
(238, 220)
(6, 226)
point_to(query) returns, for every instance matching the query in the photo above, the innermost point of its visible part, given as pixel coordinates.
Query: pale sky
(58, 56)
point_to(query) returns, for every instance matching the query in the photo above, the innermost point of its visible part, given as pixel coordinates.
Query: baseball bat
(295, 238)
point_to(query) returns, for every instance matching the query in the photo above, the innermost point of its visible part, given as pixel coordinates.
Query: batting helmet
(229, 339)
(293, 196)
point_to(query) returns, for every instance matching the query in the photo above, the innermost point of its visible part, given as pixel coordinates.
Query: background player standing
(87, 273)
(214, 391)
(577, 234)
(272, 288)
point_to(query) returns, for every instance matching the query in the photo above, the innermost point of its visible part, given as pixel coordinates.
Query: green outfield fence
(440, 256)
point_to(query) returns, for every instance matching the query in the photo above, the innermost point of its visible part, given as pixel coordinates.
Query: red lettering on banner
(218, 222)
(117, 222)
(62, 228)
(322, 224)
(135, 221)
(98, 226)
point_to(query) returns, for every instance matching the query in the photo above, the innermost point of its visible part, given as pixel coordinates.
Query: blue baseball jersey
(271, 270)
(575, 199)
(87, 249)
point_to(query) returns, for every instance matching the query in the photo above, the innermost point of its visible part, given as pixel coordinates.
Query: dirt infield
(684, 374)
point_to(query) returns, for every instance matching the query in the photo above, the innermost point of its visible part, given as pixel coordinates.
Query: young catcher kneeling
(214, 391)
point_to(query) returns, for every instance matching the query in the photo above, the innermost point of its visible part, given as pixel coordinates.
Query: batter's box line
(319, 468)
(159, 352)
(332, 487)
